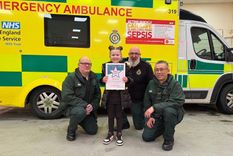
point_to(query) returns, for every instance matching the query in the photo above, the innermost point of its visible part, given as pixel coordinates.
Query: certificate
(115, 72)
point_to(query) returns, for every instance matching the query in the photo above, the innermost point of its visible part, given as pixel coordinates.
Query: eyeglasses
(160, 69)
(134, 53)
(86, 63)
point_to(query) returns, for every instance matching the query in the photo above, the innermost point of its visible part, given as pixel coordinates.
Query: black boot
(168, 145)
(71, 135)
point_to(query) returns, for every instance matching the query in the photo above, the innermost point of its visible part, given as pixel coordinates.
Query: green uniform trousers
(137, 115)
(164, 124)
(87, 122)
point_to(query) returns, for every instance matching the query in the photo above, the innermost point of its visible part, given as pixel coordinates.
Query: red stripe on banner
(147, 41)
(163, 22)
(143, 41)
(169, 22)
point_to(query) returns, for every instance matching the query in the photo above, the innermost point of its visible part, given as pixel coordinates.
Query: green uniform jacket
(161, 96)
(76, 93)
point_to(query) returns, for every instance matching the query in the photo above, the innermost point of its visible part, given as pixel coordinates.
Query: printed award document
(115, 72)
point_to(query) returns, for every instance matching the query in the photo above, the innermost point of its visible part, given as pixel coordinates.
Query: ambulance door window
(201, 43)
(67, 30)
(218, 48)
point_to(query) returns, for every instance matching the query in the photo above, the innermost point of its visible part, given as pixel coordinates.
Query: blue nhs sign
(10, 25)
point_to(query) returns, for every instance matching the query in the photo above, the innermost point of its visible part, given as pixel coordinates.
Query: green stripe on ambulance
(183, 80)
(10, 79)
(133, 3)
(206, 68)
(44, 63)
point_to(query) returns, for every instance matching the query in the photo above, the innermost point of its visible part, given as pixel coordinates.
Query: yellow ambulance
(41, 42)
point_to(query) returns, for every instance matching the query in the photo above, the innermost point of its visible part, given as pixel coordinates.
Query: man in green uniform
(81, 97)
(163, 103)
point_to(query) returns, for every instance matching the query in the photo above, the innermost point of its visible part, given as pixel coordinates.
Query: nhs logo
(10, 25)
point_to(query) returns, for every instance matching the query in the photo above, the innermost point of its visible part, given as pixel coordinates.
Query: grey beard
(135, 63)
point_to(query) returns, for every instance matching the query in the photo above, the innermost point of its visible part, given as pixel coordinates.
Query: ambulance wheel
(45, 103)
(225, 103)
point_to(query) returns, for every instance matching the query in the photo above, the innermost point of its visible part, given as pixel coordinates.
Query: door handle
(192, 64)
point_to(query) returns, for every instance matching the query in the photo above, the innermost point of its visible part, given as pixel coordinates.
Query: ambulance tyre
(45, 103)
(225, 103)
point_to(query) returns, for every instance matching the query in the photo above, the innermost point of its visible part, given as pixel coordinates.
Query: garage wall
(219, 15)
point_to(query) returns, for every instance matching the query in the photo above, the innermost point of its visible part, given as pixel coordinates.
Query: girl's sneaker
(108, 139)
(119, 140)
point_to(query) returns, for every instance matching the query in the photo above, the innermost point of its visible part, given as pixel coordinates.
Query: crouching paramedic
(163, 104)
(81, 97)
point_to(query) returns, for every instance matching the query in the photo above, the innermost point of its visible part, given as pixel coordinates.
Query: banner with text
(142, 31)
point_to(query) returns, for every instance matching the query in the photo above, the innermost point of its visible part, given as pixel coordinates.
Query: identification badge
(139, 72)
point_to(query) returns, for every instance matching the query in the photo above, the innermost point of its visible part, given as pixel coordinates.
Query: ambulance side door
(206, 59)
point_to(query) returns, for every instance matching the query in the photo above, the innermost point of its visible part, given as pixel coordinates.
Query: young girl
(115, 100)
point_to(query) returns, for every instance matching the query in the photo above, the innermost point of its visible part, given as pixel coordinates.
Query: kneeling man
(163, 104)
(80, 99)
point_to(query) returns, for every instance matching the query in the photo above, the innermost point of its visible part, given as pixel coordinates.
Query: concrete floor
(203, 132)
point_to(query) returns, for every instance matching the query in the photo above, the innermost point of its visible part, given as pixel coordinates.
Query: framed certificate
(115, 72)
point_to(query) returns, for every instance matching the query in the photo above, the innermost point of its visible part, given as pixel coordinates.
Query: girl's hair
(117, 48)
